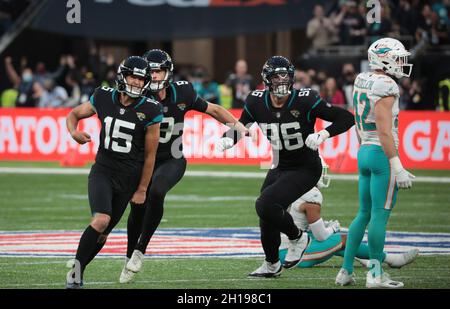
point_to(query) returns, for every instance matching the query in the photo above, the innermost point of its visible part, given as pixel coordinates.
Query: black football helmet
(278, 75)
(159, 60)
(136, 66)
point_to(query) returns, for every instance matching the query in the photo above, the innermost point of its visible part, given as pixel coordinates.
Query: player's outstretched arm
(151, 146)
(383, 120)
(82, 111)
(223, 116)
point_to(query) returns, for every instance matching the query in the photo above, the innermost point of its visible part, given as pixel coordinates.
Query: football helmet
(136, 66)
(159, 60)
(390, 56)
(278, 75)
(324, 181)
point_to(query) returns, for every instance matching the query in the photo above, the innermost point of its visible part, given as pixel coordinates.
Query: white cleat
(382, 281)
(126, 275)
(135, 263)
(334, 224)
(404, 259)
(296, 249)
(343, 278)
(267, 270)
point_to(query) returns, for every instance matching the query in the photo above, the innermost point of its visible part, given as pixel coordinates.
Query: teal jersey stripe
(157, 119)
(292, 98)
(174, 93)
(91, 99)
(248, 111)
(140, 103)
(313, 107)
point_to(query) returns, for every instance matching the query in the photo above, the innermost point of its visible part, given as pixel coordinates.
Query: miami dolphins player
(381, 173)
(326, 239)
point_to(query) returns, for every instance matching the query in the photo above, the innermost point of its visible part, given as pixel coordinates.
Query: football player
(381, 173)
(287, 117)
(177, 99)
(125, 158)
(326, 240)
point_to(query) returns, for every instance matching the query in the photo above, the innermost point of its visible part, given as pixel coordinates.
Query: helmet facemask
(280, 84)
(131, 90)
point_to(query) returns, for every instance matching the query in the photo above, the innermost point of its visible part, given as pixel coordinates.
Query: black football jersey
(180, 98)
(122, 137)
(288, 127)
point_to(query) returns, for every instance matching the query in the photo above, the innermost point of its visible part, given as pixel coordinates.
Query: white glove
(224, 143)
(402, 176)
(314, 140)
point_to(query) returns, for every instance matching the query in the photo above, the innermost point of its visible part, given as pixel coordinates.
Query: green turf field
(57, 202)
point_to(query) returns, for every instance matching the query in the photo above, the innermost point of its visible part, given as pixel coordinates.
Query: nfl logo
(278, 114)
(122, 111)
(165, 109)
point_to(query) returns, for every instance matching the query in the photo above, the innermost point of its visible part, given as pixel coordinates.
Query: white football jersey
(368, 89)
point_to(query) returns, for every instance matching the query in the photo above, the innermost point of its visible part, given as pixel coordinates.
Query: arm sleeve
(341, 119)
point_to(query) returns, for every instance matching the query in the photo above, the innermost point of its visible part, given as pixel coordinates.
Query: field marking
(247, 175)
(206, 280)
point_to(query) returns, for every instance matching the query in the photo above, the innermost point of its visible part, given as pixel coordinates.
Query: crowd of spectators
(73, 82)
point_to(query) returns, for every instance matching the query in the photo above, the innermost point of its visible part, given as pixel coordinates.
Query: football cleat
(74, 285)
(382, 281)
(343, 278)
(296, 250)
(404, 259)
(267, 270)
(126, 275)
(135, 263)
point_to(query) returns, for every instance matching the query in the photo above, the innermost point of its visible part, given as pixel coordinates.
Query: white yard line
(248, 175)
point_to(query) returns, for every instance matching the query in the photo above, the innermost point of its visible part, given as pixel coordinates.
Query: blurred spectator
(410, 95)
(444, 95)
(88, 85)
(23, 83)
(439, 30)
(74, 90)
(425, 25)
(53, 95)
(352, 24)
(407, 16)
(348, 78)
(332, 94)
(378, 30)
(320, 29)
(205, 87)
(241, 84)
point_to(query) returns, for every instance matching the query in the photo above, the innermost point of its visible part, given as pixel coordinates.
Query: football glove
(402, 176)
(224, 143)
(314, 140)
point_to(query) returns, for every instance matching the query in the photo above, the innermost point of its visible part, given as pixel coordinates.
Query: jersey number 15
(117, 135)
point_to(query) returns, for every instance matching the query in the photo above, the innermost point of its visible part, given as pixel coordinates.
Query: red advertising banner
(41, 135)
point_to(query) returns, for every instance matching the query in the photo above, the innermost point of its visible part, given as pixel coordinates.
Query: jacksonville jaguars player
(381, 173)
(177, 99)
(326, 239)
(125, 158)
(287, 117)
